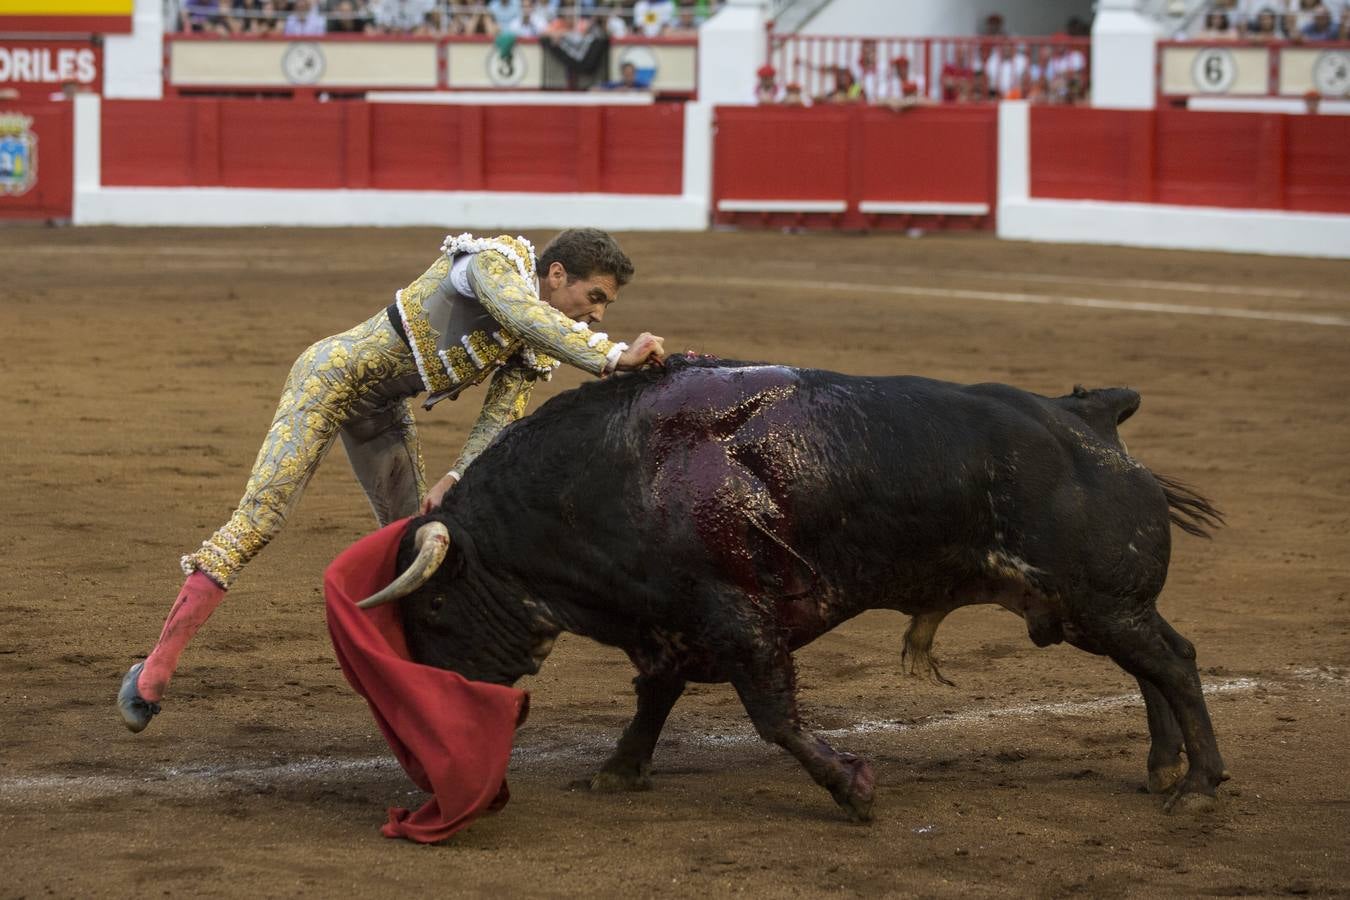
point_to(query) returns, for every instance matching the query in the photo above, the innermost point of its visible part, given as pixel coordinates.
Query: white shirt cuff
(612, 357)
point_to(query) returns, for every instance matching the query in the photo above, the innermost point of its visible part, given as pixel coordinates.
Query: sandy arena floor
(140, 369)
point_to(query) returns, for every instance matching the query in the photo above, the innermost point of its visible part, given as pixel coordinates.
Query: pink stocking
(196, 601)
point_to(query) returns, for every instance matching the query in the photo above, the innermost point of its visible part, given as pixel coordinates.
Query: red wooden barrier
(855, 167)
(268, 144)
(1235, 160)
(36, 160)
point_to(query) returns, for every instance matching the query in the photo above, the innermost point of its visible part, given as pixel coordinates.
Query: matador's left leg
(386, 456)
(327, 386)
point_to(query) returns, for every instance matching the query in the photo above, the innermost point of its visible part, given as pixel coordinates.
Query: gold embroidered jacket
(458, 341)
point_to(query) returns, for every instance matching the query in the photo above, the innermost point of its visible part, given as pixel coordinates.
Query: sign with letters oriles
(66, 16)
(37, 69)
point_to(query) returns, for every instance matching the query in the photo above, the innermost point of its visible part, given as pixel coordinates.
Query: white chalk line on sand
(1176, 309)
(180, 780)
(1187, 287)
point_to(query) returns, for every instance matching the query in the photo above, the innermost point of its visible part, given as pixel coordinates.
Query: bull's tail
(1188, 510)
(917, 654)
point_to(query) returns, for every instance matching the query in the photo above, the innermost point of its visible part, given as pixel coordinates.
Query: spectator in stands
(225, 19)
(1311, 101)
(305, 19)
(652, 17)
(993, 26)
(583, 50)
(345, 19)
(614, 14)
(1322, 27)
(956, 76)
(1218, 27)
(1066, 72)
(1007, 70)
(766, 85)
(1298, 13)
(792, 95)
(686, 22)
(902, 82)
(504, 11)
(981, 91)
(1264, 27)
(533, 20)
(263, 18)
(846, 89)
(629, 80)
(867, 73)
(472, 19)
(400, 16)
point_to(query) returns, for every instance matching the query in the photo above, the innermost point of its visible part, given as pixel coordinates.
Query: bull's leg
(767, 688)
(1150, 650)
(1165, 765)
(629, 768)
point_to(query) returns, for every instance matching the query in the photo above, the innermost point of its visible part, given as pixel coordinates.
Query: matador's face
(583, 299)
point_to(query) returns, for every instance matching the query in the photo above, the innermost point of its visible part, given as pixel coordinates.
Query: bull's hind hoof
(1162, 779)
(136, 710)
(1191, 804)
(615, 783)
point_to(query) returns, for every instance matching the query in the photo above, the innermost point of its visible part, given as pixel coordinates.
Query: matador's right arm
(513, 301)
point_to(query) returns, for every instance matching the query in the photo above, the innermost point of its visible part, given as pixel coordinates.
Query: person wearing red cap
(903, 82)
(766, 85)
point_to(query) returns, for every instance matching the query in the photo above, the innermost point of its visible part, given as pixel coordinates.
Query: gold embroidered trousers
(356, 384)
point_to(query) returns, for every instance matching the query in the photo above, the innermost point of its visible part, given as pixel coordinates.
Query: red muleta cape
(452, 736)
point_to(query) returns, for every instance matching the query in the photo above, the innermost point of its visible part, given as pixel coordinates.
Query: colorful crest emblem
(18, 154)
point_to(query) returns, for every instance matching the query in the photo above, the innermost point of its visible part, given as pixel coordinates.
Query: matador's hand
(437, 493)
(646, 348)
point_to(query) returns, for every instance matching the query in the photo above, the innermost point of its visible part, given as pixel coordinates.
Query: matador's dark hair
(585, 251)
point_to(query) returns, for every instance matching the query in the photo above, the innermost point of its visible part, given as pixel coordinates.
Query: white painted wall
(1023, 218)
(1124, 56)
(475, 210)
(919, 18)
(731, 46)
(1176, 227)
(98, 205)
(133, 63)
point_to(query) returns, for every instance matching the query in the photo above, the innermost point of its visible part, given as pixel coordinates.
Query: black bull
(711, 518)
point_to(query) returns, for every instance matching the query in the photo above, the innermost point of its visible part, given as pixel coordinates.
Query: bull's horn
(432, 542)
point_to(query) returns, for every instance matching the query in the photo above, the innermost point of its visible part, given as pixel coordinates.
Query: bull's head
(431, 543)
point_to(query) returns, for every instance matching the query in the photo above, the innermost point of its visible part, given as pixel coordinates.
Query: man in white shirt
(400, 16)
(306, 20)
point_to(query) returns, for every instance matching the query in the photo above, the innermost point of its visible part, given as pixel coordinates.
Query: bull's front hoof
(857, 801)
(1164, 778)
(136, 710)
(1191, 804)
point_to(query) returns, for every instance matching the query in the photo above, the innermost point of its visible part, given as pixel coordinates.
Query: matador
(487, 308)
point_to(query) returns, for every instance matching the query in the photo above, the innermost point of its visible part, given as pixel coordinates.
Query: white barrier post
(133, 64)
(731, 46)
(88, 151)
(1124, 56)
(1014, 151)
